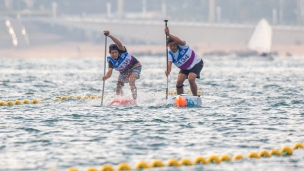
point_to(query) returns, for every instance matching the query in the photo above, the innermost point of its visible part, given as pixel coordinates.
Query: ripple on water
(247, 106)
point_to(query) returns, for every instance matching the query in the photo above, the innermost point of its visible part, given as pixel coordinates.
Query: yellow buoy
(71, 97)
(142, 165)
(91, 169)
(2, 104)
(17, 102)
(58, 99)
(72, 169)
(264, 153)
(188, 91)
(253, 155)
(199, 91)
(185, 162)
(173, 162)
(85, 97)
(225, 158)
(213, 159)
(107, 167)
(10, 103)
(99, 96)
(275, 152)
(79, 97)
(26, 101)
(156, 163)
(41, 100)
(92, 97)
(200, 160)
(286, 151)
(35, 101)
(63, 98)
(298, 145)
(238, 157)
(123, 167)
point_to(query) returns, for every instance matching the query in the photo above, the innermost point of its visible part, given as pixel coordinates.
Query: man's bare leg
(193, 85)
(119, 90)
(133, 88)
(179, 83)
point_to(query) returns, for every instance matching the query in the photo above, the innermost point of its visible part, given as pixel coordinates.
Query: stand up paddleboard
(123, 102)
(185, 100)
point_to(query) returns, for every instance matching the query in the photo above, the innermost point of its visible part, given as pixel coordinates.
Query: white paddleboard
(185, 100)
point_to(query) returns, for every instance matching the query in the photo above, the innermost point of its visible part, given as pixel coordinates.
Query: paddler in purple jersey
(128, 66)
(189, 63)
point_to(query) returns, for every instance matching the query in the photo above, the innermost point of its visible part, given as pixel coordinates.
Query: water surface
(248, 105)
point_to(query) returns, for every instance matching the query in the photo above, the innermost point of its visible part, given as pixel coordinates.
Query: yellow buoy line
(73, 97)
(213, 159)
(70, 97)
(36, 101)
(20, 102)
(187, 91)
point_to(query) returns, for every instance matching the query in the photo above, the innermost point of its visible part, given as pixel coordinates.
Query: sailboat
(261, 39)
(259, 44)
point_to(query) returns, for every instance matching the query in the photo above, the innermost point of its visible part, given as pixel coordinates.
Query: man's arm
(174, 38)
(115, 40)
(108, 75)
(169, 68)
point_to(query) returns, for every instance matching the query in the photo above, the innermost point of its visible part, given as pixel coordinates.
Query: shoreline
(77, 50)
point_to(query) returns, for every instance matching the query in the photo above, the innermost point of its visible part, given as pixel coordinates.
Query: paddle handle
(104, 69)
(166, 21)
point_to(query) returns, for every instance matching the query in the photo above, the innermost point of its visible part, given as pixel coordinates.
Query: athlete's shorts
(124, 77)
(197, 68)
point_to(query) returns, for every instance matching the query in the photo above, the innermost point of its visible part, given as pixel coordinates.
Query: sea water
(248, 105)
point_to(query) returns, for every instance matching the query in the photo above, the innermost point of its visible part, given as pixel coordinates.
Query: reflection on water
(248, 105)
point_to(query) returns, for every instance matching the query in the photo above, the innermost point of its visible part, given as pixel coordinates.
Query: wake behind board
(185, 100)
(123, 102)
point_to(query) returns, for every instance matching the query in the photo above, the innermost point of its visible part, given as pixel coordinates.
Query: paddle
(166, 21)
(104, 69)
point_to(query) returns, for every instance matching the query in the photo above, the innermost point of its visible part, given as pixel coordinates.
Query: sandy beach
(76, 50)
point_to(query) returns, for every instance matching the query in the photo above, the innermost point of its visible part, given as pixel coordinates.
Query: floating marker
(26, 101)
(35, 101)
(10, 103)
(17, 102)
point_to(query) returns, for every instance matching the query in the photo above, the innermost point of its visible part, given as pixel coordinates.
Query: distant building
(290, 12)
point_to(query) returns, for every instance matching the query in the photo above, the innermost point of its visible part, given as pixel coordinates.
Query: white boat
(259, 44)
(261, 39)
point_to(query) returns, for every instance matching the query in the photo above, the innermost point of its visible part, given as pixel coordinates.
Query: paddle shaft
(104, 70)
(166, 21)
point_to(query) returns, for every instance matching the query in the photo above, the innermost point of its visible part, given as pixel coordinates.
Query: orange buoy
(180, 101)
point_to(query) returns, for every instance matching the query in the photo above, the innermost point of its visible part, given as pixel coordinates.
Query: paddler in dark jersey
(128, 66)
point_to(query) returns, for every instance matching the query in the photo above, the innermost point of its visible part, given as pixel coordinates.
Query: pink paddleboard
(123, 102)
